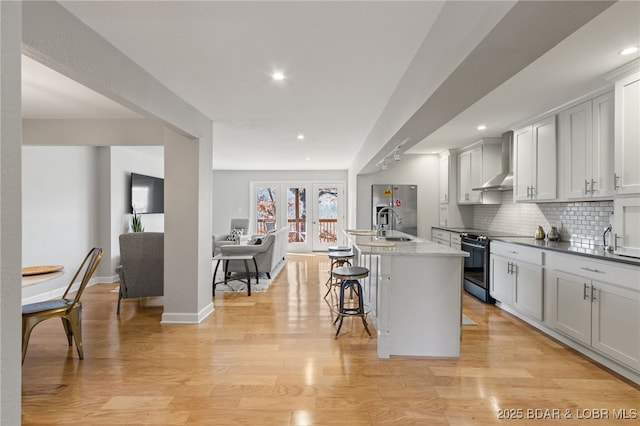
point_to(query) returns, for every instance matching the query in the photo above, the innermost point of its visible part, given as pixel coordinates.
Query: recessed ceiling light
(308, 158)
(482, 127)
(277, 75)
(629, 50)
(300, 136)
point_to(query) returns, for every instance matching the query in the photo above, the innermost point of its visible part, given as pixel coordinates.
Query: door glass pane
(265, 210)
(297, 215)
(327, 214)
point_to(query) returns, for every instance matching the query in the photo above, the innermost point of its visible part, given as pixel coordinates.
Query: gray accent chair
(268, 254)
(220, 240)
(141, 267)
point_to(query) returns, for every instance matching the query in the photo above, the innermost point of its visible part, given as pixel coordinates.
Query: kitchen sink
(398, 239)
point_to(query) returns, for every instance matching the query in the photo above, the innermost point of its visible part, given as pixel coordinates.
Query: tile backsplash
(582, 222)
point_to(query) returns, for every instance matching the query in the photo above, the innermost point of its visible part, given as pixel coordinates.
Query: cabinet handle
(592, 270)
(615, 241)
(584, 292)
(586, 187)
(593, 186)
(615, 181)
(514, 252)
(593, 293)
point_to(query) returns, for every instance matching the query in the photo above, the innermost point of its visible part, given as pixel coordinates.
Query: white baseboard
(186, 318)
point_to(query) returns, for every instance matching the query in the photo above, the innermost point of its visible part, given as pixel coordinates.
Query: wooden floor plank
(272, 359)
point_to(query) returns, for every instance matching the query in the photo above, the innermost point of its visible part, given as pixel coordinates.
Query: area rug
(465, 319)
(235, 285)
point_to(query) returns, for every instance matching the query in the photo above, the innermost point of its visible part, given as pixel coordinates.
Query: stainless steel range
(476, 266)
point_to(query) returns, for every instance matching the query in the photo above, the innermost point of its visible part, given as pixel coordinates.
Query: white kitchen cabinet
(476, 164)
(598, 304)
(445, 159)
(587, 138)
(501, 281)
(626, 226)
(603, 316)
(516, 278)
(627, 134)
(535, 161)
(441, 236)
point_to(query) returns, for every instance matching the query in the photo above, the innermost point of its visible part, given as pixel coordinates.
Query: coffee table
(226, 258)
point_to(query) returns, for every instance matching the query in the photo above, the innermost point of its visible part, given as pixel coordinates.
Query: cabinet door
(475, 175)
(602, 145)
(444, 215)
(527, 296)
(444, 179)
(573, 306)
(464, 177)
(627, 134)
(523, 154)
(626, 229)
(544, 169)
(616, 323)
(501, 284)
(577, 141)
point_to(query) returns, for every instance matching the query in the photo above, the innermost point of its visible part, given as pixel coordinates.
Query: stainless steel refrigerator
(404, 201)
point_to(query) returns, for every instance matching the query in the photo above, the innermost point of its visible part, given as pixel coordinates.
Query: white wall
(421, 170)
(59, 210)
(231, 196)
(123, 161)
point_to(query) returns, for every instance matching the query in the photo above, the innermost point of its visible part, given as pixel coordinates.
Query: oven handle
(464, 243)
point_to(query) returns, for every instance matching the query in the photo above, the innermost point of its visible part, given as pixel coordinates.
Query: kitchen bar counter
(414, 295)
(569, 248)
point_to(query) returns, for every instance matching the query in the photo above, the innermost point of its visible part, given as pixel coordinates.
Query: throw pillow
(258, 241)
(235, 234)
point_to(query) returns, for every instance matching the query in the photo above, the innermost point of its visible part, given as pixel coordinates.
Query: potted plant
(136, 222)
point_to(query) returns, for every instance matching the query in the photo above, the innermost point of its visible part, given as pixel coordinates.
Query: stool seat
(339, 248)
(350, 272)
(341, 254)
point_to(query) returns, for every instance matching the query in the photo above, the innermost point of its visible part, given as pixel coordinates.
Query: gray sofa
(268, 254)
(141, 267)
(220, 240)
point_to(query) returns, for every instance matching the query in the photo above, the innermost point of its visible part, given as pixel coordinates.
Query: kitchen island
(413, 293)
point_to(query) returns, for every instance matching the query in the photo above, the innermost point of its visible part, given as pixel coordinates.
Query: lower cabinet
(518, 284)
(516, 278)
(601, 315)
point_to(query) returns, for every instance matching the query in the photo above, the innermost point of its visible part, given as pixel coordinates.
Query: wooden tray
(41, 269)
(361, 232)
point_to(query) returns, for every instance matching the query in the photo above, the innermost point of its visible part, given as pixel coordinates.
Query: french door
(312, 212)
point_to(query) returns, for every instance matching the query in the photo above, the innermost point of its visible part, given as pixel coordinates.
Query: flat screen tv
(147, 194)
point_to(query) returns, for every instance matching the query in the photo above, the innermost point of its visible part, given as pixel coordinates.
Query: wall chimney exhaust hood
(503, 181)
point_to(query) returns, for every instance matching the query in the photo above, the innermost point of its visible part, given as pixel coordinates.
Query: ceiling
(345, 63)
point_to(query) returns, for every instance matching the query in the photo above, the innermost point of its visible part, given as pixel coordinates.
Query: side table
(226, 258)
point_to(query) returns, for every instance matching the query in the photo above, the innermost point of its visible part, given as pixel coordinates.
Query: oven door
(475, 265)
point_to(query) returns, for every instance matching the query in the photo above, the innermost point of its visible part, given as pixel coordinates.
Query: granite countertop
(569, 248)
(416, 247)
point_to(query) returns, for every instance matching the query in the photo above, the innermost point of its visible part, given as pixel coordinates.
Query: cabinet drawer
(517, 252)
(594, 269)
(441, 235)
(455, 239)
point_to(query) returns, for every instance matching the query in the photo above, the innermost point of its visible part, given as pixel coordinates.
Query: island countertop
(416, 247)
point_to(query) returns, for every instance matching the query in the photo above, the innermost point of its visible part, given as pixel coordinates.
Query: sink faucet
(379, 225)
(604, 238)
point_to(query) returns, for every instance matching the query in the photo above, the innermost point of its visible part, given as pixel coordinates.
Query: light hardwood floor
(271, 359)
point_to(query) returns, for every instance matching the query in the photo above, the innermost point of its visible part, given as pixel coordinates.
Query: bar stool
(338, 259)
(339, 248)
(349, 276)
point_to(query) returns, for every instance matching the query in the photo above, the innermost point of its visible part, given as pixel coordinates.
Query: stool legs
(355, 288)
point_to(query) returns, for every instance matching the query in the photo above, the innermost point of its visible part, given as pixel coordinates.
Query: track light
(384, 165)
(396, 155)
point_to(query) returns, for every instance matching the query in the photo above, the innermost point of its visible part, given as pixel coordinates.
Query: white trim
(181, 318)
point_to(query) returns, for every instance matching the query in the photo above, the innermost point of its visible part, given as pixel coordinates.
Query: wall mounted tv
(147, 194)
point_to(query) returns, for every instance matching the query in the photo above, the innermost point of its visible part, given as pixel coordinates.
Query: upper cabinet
(627, 134)
(445, 159)
(476, 164)
(535, 161)
(587, 142)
